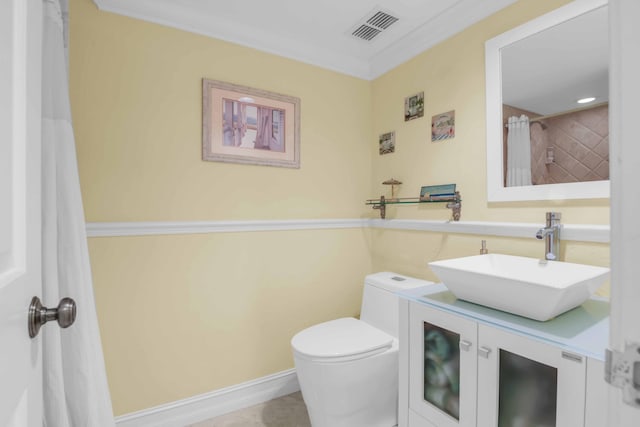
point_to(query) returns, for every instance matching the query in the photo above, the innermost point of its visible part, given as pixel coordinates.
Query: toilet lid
(340, 338)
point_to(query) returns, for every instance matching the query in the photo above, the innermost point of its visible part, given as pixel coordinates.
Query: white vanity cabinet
(466, 365)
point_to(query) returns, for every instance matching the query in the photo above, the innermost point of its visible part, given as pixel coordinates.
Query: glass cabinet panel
(442, 363)
(523, 382)
(442, 369)
(527, 392)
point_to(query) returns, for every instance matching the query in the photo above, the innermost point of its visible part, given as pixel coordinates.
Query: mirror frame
(496, 191)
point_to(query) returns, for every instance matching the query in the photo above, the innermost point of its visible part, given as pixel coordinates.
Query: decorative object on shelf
(443, 126)
(252, 126)
(392, 182)
(387, 143)
(454, 202)
(414, 106)
(433, 193)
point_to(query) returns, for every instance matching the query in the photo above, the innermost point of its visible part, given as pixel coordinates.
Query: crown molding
(453, 20)
(463, 14)
(171, 14)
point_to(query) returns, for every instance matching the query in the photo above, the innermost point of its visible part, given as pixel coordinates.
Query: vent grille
(376, 22)
(366, 32)
(382, 20)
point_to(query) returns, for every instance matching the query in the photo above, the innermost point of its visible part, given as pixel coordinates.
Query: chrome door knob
(65, 314)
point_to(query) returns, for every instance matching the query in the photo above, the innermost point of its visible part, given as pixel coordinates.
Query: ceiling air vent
(373, 25)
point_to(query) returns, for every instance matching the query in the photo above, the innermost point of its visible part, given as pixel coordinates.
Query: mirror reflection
(555, 104)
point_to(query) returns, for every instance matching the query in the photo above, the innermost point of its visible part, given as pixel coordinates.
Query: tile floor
(286, 411)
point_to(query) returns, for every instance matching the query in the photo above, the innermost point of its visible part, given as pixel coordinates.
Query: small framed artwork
(414, 106)
(387, 143)
(443, 126)
(252, 126)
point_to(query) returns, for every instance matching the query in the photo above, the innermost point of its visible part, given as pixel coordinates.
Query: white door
(625, 203)
(20, 99)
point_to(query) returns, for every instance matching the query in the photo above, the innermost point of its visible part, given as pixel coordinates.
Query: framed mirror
(541, 143)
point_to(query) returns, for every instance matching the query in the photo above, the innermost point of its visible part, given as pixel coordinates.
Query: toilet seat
(341, 340)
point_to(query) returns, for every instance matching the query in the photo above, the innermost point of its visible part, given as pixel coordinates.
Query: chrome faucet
(551, 234)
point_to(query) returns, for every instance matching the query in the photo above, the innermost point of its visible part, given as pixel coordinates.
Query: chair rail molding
(575, 232)
(115, 229)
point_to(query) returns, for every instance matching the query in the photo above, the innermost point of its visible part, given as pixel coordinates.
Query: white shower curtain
(74, 378)
(518, 152)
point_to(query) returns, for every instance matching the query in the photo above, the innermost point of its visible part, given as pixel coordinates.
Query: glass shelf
(453, 203)
(406, 201)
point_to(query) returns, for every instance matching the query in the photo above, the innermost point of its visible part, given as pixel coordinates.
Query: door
(20, 99)
(625, 204)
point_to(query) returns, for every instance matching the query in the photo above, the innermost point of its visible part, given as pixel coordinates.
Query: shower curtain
(518, 152)
(74, 378)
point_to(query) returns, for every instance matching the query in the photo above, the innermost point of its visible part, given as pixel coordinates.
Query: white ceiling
(548, 72)
(318, 32)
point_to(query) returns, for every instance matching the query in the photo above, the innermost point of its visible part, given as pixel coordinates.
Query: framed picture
(414, 106)
(245, 125)
(387, 143)
(443, 126)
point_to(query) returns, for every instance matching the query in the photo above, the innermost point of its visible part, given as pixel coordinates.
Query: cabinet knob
(484, 352)
(465, 345)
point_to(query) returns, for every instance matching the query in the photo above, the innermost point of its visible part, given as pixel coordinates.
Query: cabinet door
(442, 366)
(523, 382)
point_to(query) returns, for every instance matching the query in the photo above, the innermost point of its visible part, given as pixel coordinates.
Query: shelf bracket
(382, 206)
(456, 207)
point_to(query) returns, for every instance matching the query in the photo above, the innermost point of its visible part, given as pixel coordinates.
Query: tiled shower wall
(571, 147)
(578, 143)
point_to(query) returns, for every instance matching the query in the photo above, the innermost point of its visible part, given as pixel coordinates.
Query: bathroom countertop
(583, 330)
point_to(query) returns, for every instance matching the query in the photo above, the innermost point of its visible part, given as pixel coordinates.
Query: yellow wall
(452, 76)
(183, 315)
(187, 314)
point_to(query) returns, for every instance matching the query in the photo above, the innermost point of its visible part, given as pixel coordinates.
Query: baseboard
(215, 403)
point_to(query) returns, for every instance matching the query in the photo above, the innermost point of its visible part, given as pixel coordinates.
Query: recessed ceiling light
(247, 99)
(586, 100)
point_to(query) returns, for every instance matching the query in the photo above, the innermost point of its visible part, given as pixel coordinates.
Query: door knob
(65, 314)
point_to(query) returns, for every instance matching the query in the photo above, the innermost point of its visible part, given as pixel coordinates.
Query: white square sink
(528, 287)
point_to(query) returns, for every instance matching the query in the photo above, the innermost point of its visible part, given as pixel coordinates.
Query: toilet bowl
(348, 368)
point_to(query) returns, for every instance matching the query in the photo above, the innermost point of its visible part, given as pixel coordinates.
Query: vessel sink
(528, 287)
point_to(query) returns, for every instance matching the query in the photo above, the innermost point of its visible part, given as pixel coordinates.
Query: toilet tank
(379, 301)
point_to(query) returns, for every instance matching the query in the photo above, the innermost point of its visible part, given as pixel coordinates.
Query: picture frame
(241, 124)
(414, 106)
(387, 143)
(443, 126)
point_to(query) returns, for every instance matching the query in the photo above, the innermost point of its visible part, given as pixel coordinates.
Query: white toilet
(348, 368)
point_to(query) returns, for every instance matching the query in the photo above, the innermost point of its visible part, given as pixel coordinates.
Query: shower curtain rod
(575, 110)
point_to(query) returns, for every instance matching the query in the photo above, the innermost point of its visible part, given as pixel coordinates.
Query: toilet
(348, 368)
